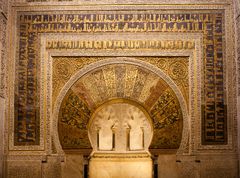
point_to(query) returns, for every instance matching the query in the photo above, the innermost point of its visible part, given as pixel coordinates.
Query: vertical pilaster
(3, 64)
(237, 42)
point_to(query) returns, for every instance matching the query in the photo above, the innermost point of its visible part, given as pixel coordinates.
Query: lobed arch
(128, 61)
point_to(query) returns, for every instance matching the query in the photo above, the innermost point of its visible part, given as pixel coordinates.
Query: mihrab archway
(120, 78)
(120, 126)
(120, 132)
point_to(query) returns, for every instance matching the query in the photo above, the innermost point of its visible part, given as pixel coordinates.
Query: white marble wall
(120, 166)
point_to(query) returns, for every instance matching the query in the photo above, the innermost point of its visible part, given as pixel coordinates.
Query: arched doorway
(120, 132)
(123, 79)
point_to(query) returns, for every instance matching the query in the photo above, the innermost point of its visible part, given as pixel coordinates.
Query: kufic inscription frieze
(121, 44)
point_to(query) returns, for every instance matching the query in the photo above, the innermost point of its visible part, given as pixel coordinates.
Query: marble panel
(167, 166)
(24, 169)
(52, 167)
(201, 166)
(119, 166)
(224, 167)
(73, 166)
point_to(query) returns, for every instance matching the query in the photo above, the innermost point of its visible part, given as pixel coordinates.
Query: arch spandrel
(174, 67)
(122, 81)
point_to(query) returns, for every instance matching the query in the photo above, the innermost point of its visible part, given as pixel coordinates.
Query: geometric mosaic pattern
(123, 81)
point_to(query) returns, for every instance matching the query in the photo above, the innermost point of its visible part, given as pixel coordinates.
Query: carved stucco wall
(16, 160)
(29, 136)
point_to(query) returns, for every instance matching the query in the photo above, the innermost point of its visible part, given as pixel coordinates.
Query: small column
(128, 130)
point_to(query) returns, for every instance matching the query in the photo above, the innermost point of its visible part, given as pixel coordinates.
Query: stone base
(201, 166)
(73, 166)
(137, 165)
(33, 166)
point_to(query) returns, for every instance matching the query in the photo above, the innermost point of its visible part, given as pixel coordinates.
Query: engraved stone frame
(193, 57)
(191, 126)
